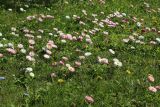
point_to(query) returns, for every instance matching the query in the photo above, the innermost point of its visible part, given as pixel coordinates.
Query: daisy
(29, 69)
(12, 51)
(46, 56)
(117, 62)
(23, 51)
(31, 74)
(111, 51)
(152, 89)
(88, 54)
(71, 69)
(89, 99)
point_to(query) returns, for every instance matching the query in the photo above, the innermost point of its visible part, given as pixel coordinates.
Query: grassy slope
(115, 88)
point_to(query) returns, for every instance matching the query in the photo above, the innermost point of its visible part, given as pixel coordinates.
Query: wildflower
(41, 31)
(1, 45)
(141, 37)
(88, 54)
(150, 78)
(29, 69)
(61, 62)
(65, 58)
(117, 62)
(10, 45)
(31, 54)
(63, 41)
(0, 34)
(1, 55)
(138, 24)
(68, 17)
(71, 69)
(22, 10)
(20, 46)
(152, 89)
(81, 57)
(84, 12)
(40, 19)
(51, 34)
(30, 58)
(158, 40)
(125, 40)
(102, 60)
(60, 81)
(31, 74)
(111, 51)
(13, 29)
(10, 10)
(68, 65)
(39, 36)
(46, 56)
(153, 42)
(49, 17)
(78, 63)
(157, 87)
(89, 41)
(31, 47)
(89, 99)
(48, 52)
(26, 6)
(31, 42)
(12, 51)
(132, 47)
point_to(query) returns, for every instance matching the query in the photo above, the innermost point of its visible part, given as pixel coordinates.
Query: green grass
(110, 86)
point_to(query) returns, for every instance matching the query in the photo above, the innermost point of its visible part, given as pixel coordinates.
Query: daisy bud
(61, 62)
(150, 78)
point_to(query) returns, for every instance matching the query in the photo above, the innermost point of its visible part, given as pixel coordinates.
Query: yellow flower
(128, 71)
(60, 81)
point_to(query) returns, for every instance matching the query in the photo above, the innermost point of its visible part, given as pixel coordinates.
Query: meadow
(80, 53)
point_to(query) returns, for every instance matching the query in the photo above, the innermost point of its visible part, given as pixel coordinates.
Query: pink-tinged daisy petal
(89, 99)
(11, 51)
(61, 62)
(152, 89)
(71, 69)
